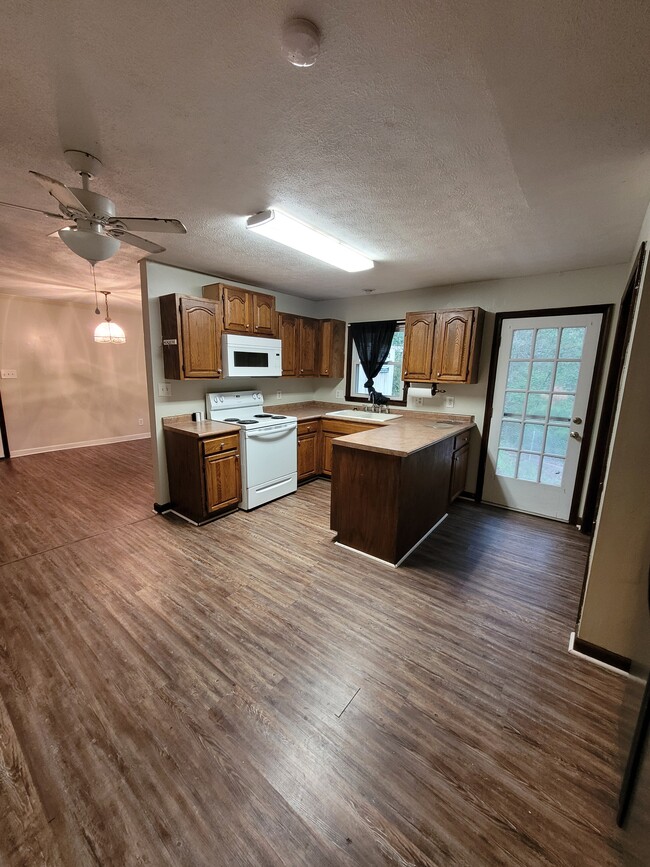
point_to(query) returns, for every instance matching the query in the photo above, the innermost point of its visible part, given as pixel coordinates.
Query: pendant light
(108, 331)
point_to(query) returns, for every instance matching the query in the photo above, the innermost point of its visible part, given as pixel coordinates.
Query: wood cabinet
(418, 347)
(443, 345)
(330, 430)
(204, 474)
(332, 348)
(244, 311)
(459, 464)
(290, 335)
(308, 347)
(191, 337)
(309, 458)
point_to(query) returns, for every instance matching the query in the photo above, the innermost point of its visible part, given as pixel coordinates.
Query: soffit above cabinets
(448, 142)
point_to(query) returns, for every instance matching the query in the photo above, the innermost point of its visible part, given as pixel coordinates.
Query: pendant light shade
(109, 331)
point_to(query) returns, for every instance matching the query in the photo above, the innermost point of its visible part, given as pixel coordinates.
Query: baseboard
(599, 654)
(18, 453)
(161, 508)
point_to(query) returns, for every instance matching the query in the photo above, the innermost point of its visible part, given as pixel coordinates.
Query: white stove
(268, 445)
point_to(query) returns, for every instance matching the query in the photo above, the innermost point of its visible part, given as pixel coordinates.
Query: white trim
(408, 553)
(598, 662)
(18, 453)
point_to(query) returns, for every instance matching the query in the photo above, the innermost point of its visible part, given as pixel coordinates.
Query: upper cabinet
(290, 335)
(418, 347)
(443, 346)
(243, 311)
(332, 348)
(191, 337)
(308, 347)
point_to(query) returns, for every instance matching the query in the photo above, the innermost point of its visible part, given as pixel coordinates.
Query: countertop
(199, 429)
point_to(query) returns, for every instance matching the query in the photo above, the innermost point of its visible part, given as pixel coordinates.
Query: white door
(543, 381)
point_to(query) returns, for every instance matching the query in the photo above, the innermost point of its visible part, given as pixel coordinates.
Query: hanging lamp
(109, 331)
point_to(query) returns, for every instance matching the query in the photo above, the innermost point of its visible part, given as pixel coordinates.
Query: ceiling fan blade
(134, 240)
(148, 224)
(61, 193)
(36, 210)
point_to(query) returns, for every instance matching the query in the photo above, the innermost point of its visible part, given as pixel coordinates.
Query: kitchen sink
(444, 424)
(362, 415)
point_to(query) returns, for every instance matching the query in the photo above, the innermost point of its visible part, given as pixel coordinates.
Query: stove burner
(232, 419)
(248, 421)
(264, 415)
(278, 416)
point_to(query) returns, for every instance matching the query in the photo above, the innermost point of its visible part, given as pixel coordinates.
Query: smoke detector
(300, 42)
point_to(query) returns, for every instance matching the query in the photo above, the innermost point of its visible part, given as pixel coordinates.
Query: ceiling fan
(97, 233)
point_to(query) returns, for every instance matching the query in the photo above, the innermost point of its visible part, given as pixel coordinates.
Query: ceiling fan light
(89, 244)
(287, 230)
(109, 332)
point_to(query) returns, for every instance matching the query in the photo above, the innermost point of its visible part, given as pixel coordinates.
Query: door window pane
(513, 404)
(557, 440)
(542, 376)
(552, 469)
(546, 342)
(537, 405)
(506, 463)
(566, 377)
(533, 438)
(562, 407)
(522, 341)
(528, 467)
(509, 438)
(517, 374)
(571, 342)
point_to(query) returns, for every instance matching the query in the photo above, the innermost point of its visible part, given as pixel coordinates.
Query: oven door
(269, 454)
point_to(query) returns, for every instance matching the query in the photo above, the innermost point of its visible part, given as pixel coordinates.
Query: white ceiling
(450, 141)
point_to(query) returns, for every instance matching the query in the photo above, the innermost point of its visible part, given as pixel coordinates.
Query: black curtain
(373, 340)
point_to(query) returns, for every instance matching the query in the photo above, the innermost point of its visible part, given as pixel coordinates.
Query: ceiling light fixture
(284, 229)
(109, 331)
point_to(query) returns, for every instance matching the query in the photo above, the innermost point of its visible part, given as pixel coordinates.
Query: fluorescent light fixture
(287, 230)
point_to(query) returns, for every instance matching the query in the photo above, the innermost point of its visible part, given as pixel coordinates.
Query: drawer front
(308, 427)
(345, 427)
(461, 440)
(216, 446)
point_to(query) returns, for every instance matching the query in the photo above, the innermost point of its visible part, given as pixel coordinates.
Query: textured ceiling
(450, 141)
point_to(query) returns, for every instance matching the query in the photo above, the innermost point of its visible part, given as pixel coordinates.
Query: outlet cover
(339, 393)
(418, 401)
(278, 395)
(450, 402)
(164, 389)
(140, 421)
(9, 374)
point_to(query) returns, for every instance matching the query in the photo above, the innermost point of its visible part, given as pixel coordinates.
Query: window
(389, 379)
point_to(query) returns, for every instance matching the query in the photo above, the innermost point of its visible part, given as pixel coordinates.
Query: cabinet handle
(438, 373)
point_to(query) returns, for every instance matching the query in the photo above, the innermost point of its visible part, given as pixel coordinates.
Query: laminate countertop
(400, 437)
(199, 429)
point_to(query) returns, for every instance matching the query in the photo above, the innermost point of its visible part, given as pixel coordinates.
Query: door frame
(606, 310)
(3, 432)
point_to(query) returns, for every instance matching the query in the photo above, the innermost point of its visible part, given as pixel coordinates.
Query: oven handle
(275, 433)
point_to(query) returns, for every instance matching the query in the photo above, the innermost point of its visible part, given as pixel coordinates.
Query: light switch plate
(9, 374)
(450, 402)
(164, 389)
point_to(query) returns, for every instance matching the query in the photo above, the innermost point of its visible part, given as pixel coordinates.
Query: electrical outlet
(339, 393)
(278, 395)
(140, 421)
(450, 402)
(418, 401)
(164, 389)
(9, 374)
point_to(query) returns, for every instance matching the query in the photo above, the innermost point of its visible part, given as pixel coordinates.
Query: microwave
(251, 356)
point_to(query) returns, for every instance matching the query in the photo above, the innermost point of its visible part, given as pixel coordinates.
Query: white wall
(69, 390)
(588, 286)
(616, 591)
(188, 396)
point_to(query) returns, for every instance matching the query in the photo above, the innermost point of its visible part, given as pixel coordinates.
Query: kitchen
(303, 629)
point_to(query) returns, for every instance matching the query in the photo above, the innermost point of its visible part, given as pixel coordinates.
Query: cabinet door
(453, 341)
(264, 318)
(307, 456)
(418, 347)
(308, 347)
(236, 304)
(201, 338)
(459, 464)
(222, 481)
(289, 335)
(326, 456)
(332, 348)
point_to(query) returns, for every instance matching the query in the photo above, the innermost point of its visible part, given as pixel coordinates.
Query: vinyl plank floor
(247, 693)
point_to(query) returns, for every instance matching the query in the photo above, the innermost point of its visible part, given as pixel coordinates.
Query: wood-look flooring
(247, 693)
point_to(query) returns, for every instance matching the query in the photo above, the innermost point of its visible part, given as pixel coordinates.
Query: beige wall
(588, 286)
(616, 591)
(69, 390)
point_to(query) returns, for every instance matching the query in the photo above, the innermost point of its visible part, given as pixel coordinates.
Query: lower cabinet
(330, 430)
(309, 458)
(459, 463)
(204, 474)
(327, 452)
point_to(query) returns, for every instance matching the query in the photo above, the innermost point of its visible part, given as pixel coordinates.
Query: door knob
(575, 435)
(577, 420)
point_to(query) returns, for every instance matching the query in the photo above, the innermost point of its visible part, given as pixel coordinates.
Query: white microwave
(251, 356)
